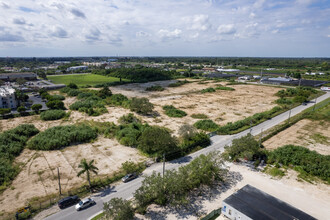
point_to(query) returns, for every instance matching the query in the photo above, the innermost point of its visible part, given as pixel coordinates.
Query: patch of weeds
(208, 90)
(275, 172)
(171, 111)
(319, 138)
(199, 116)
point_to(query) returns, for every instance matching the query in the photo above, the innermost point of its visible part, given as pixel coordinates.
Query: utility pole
(260, 138)
(250, 126)
(59, 180)
(314, 104)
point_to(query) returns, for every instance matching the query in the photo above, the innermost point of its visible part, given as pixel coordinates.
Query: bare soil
(38, 177)
(315, 135)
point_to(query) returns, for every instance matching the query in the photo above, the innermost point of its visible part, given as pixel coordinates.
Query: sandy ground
(39, 173)
(304, 133)
(312, 199)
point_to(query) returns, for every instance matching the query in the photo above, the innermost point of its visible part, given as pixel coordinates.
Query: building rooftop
(6, 90)
(259, 205)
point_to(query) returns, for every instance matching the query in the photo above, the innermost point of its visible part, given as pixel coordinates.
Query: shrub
(118, 209)
(141, 105)
(208, 90)
(52, 115)
(72, 86)
(56, 104)
(224, 88)
(171, 111)
(155, 88)
(206, 125)
(178, 83)
(200, 140)
(61, 136)
(73, 92)
(36, 107)
(55, 97)
(104, 93)
(128, 119)
(92, 105)
(199, 116)
(21, 109)
(11, 145)
(118, 100)
(156, 141)
(308, 161)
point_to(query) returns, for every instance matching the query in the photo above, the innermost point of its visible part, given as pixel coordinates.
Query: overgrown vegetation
(199, 116)
(295, 95)
(178, 83)
(141, 106)
(118, 209)
(238, 126)
(206, 125)
(224, 88)
(61, 136)
(52, 115)
(12, 143)
(171, 111)
(208, 90)
(155, 88)
(203, 170)
(303, 160)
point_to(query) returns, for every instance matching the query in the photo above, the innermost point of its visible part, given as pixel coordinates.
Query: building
(12, 77)
(75, 68)
(292, 82)
(7, 97)
(248, 77)
(252, 203)
(227, 70)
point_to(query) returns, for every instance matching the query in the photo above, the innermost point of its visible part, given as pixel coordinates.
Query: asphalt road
(126, 190)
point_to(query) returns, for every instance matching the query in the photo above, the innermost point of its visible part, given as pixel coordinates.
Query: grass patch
(206, 125)
(319, 138)
(224, 88)
(199, 116)
(155, 88)
(275, 172)
(83, 79)
(99, 216)
(208, 90)
(171, 111)
(178, 83)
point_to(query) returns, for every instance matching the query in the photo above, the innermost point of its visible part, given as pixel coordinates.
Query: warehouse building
(12, 77)
(250, 203)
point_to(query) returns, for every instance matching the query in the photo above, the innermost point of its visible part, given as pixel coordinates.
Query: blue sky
(282, 28)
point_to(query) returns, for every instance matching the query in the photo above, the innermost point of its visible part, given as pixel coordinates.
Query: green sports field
(82, 79)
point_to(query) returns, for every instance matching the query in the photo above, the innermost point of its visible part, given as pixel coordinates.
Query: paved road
(126, 190)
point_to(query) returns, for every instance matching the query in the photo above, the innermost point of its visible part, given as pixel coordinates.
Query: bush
(308, 161)
(36, 107)
(199, 140)
(56, 97)
(118, 100)
(118, 209)
(92, 105)
(208, 90)
(11, 145)
(141, 105)
(72, 86)
(155, 88)
(128, 119)
(129, 135)
(56, 104)
(104, 93)
(73, 92)
(224, 88)
(171, 111)
(61, 136)
(131, 167)
(178, 83)
(206, 125)
(156, 141)
(52, 115)
(199, 116)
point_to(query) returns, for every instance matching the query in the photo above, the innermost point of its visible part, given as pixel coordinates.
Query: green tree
(325, 66)
(4, 111)
(36, 107)
(87, 167)
(21, 81)
(118, 209)
(104, 93)
(187, 131)
(156, 141)
(55, 104)
(21, 109)
(244, 147)
(141, 105)
(72, 86)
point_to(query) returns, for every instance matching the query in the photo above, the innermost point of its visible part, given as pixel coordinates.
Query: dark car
(129, 177)
(68, 201)
(304, 103)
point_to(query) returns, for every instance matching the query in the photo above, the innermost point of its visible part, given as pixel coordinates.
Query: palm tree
(87, 167)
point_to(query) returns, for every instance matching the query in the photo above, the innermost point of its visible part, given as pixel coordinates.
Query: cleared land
(315, 135)
(82, 79)
(39, 168)
(39, 173)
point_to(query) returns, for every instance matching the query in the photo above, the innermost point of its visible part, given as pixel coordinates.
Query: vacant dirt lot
(314, 135)
(39, 174)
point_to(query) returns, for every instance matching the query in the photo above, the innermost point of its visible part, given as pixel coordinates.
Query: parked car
(68, 201)
(129, 177)
(85, 203)
(304, 103)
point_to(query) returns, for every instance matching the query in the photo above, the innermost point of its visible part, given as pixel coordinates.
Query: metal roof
(259, 205)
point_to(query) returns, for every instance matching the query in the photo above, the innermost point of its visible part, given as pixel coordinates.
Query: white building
(74, 68)
(7, 97)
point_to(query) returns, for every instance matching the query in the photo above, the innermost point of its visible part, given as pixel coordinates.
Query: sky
(252, 28)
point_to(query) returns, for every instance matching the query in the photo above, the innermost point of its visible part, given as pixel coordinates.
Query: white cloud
(58, 32)
(167, 35)
(226, 29)
(200, 23)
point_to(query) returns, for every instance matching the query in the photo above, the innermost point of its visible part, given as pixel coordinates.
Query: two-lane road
(126, 190)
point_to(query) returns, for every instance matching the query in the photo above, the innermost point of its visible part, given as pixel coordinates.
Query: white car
(85, 203)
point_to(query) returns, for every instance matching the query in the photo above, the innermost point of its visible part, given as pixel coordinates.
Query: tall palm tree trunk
(89, 181)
